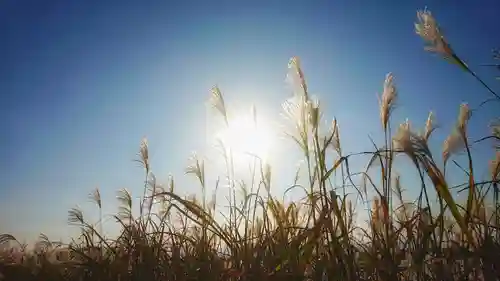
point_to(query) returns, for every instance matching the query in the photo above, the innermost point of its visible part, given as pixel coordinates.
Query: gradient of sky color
(82, 82)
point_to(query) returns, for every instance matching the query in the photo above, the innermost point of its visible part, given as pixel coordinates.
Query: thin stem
(484, 84)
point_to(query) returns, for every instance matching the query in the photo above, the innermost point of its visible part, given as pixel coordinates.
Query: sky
(82, 82)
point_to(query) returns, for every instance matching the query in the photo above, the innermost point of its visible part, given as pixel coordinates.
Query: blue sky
(82, 82)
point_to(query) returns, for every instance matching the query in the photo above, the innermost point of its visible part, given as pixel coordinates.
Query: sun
(244, 137)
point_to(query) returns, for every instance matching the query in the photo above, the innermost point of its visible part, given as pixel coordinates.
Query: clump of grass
(315, 238)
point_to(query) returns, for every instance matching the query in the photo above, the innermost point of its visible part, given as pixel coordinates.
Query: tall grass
(315, 238)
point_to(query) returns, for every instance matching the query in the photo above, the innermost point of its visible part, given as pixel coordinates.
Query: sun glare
(246, 138)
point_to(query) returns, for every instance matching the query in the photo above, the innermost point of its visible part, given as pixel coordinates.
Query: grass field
(315, 238)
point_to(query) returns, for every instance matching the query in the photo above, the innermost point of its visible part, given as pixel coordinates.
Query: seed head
(297, 75)
(267, 176)
(144, 154)
(428, 29)
(217, 101)
(313, 113)
(388, 99)
(451, 145)
(196, 166)
(402, 141)
(96, 197)
(335, 136)
(463, 117)
(429, 126)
